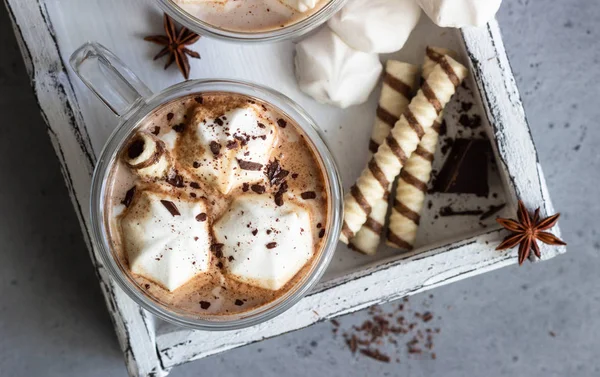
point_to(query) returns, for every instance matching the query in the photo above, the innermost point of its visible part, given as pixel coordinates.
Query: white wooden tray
(78, 125)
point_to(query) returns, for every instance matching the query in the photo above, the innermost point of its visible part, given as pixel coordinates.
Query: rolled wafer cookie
(412, 184)
(402, 141)
(399, 83)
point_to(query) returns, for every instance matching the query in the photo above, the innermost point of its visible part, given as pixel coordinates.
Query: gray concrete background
(52, 316)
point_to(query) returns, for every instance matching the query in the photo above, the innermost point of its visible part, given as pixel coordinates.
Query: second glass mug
(127, 96)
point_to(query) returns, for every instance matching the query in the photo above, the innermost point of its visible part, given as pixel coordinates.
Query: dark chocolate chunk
(217, 249)
(308, 195)
(192, 194)
(202, 217)
(194, 185)
(231, 144)
(239, 302)
(279, 194)
(275, 174)
(259, 189)
(199, 99)
(220, 265)
(136, 148)
(271, 245)
(219, 121)
(230, 258)
(282, 123)
(179, 127)
(156, 130)
(255, 232)
(196, 164)
(170, 116)
(245, 187)
(129, 196)
(215, 147)
(175, 179)
(147, 286)
(204, 304)
(249, 165)
(465, 171)
(322, 233)
(170, 206)
(261, 125)
(295, 175)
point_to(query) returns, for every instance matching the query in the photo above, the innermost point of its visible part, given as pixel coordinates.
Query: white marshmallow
(153, 160)
(460, 13)
(332, 72)
(249, 225)
(378, 26)
(300, 5)
(166, 249)
(224, 170)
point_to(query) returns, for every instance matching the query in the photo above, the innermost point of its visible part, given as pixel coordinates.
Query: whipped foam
(265, 245)
(460, 13)
(167, 239)
(379, 26)
(334, 73)
(236, 146)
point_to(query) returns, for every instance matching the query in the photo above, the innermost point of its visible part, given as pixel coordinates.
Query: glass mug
(127, 96)
(291, 31)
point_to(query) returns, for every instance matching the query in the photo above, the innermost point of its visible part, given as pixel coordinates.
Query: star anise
(175, 43)
(526, 232)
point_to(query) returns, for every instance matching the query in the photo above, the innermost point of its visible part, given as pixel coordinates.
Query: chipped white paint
(78, 127)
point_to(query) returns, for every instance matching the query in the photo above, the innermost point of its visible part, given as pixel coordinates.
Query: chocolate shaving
(156, 130)
(231, 144)
(259, 189)
(219, 121)
(261, 125)
(215, 147)
(170, 116)
(129, 196)
(196, 164)
(249, 165)
(239, 302)
(230, 258)
(194, 185)
(375, 354)
(275, 174)
(175, 179)
(279, 194)
(201, 217)
(271, 245)
(217, 249)
(199, 99)
(308, 195)
(321, 233)
(179, 127)
(492, 211)
(245, 187)
(204, 304)
(170, 206)
(282, 123)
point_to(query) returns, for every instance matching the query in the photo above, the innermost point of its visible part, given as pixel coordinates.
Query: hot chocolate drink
(251, 15)
(217, 204)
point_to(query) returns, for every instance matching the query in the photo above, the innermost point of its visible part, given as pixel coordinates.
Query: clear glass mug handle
(109, 78)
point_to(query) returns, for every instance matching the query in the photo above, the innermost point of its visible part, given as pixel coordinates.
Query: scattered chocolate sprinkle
(136, 148)
(170, 116)
(199, 99)
(204, 304)
(147, 286)
(231, 144)
(282, 123)
(156, 130)
(259, 189)
(271, 245)
(239, 302)
(217, 249)
(201, 217)
(219, 121)
(230, 258)
(319, 225)
(492, 211)
(275, 174)
(261, 125)
(179, 127)
(170, 206)
(196, 164)
(220, 265)
(194, 185)
(215, 147)
(193, 194)
(249, 165)
(308, 195)
(279, 194)
(375, 354)
(129, 196)
(295, 175)
(245, 187)
(255, 232)
(322, 233)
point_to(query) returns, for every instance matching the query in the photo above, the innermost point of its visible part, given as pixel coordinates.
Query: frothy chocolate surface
(177, 171)
(247, 15)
